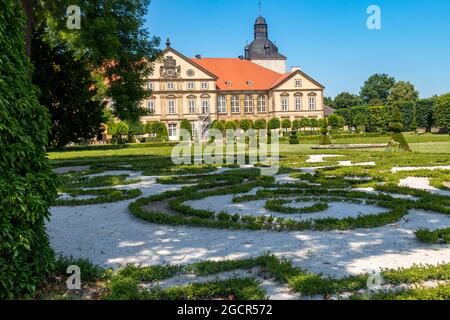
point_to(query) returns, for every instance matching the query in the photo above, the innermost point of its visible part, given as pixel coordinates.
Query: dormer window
(228, 83)
(250, 83)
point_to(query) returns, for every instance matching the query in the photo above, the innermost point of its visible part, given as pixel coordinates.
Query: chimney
(295, 68)
(199, 56)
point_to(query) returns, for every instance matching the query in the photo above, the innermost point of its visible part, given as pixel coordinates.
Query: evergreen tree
(396, 126)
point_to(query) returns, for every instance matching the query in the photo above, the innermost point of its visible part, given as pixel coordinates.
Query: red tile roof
(237, 73)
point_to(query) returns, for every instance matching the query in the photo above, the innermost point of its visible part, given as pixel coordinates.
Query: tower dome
(262, 49)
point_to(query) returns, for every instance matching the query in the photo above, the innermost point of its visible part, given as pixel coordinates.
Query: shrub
(27, 184)
(336, 122)
(441, 111)
(293, 139)
(230, 125)
(274, 124)
(245, 124)
(286, 124)
(324, 138)
(296, 124)
(424, 112)
(186, 125)
(218, 125)
(260, 124)
(396, 126)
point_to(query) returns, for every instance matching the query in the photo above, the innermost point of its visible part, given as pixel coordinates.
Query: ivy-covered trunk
(27, 184)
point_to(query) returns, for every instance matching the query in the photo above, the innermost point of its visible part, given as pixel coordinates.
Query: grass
(441, 236)
(125, 283)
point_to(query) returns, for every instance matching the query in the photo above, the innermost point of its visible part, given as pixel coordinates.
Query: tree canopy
(112, 42)
(376, 89)
(403, 91)
(346, 100)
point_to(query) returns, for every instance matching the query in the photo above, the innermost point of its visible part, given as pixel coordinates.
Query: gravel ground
(109, 235)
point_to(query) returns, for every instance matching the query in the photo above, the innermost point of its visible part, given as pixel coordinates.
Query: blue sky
(328, 39)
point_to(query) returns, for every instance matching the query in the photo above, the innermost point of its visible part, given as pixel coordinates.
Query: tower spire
(260, 7)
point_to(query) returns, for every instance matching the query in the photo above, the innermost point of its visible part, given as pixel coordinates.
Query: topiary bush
(27, 183)
(396, 126)
(260, 124)
(293, 139)
(245, 124)
(274, 124)
(324, 138)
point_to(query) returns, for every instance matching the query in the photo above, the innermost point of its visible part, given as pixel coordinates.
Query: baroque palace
(255, 85)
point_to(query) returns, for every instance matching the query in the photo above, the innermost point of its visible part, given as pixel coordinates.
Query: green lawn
(427, 143)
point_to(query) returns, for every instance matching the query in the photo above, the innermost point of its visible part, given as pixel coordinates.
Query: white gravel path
(422, 183)
(316, 158)
(109, 235)
(398, 169)
(337, 210)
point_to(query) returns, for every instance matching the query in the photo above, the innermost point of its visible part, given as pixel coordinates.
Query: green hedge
(27, 184)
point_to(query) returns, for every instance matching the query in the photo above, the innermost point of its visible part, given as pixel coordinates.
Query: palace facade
(253, 86)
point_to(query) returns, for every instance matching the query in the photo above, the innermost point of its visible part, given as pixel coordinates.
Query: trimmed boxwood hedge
(27, 184)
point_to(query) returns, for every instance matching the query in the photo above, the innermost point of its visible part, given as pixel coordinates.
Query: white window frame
(192, 107)
(150, 85)
(172, 106)
(190, 85)
(170, 86)
(151, 105)
(312, 103)
(205, 106)
(248, 104)
(284, 104)
(172, 129)
(205, 86)
(222, 104)
(235, 105)
(298, 83)
(193, 129)
(298, 103)
(262, 104)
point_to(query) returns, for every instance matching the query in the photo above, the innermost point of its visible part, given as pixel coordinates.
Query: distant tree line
(371, 109)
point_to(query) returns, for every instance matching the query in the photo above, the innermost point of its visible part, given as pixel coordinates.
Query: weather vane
(259, 4)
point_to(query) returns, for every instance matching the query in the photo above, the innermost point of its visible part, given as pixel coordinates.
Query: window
(190, 85)
(194, 129)
(312, 103)
(151, 106)
(298, 103)
(248, 104)
(205, 85)
(150, 86)
(170, 86)
(298, 82)
(222, 104)
(284, 104)
(172, 129)
(191, 106)
(261, 104)
(172, 106)
(235, 105)
(205, 106)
